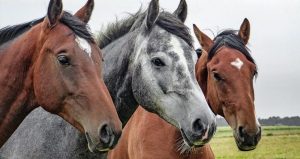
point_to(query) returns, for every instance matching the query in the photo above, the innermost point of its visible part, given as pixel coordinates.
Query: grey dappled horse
(149, 60)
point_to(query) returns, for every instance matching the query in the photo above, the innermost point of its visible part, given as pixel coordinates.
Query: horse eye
(158, 62)
(199, 52)
(217, 76)
(64, 60)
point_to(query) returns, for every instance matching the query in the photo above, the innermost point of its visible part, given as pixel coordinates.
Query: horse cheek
(46, 88)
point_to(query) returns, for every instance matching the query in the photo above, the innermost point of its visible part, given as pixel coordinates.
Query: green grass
(277, 142)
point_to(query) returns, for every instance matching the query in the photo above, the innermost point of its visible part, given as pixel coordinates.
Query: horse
(225, 72)
(219, 80)
(148, 60)
(54, 62)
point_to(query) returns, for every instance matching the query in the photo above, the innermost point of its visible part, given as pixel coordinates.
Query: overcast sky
(274, 41)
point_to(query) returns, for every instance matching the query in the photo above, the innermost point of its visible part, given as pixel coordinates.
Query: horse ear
(203, 39)
(181, 11)
(84, 14)
(201, 71)
(54, 12)
(152, 13)
(244, 32)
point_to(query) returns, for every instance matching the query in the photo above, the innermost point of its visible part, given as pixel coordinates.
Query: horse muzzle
(106, 139)
(246, 142)
(200, 134)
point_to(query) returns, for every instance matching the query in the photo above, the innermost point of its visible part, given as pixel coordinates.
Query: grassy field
(278, 142)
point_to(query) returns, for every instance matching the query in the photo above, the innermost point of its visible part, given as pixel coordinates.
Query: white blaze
(237, 63)
(84, 45)
(177, 48)
(183, 61)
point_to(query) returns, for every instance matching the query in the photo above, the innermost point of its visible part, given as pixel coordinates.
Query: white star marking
(237, 63)
(84, 45)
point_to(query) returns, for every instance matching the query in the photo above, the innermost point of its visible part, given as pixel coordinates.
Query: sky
(274, 40)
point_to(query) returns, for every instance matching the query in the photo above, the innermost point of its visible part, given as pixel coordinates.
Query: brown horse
(225, 74)
(55, 63)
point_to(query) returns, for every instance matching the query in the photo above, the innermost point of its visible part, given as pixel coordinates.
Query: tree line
(271, 121)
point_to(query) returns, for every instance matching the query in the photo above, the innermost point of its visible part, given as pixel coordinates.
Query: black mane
(229, 38)
(10, 32)
(78, 27)
(165, 20)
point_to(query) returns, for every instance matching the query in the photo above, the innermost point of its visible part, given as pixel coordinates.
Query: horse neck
(16, 95)
(118, 75)
(204, 152)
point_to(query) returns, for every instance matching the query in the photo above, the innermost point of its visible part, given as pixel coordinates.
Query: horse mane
(77, 26)
(229, 38)
(10, 32)
(80, 28)
(165, 20)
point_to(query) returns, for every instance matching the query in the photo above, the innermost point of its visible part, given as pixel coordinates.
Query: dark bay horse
(54, 62)
(225, 73)
(149, 60)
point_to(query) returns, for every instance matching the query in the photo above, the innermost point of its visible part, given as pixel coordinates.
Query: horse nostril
(105, 134)
(198, 127)
(241, 131)
(116, 138)
(259, 130)
(213, 129)
(258, 135)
